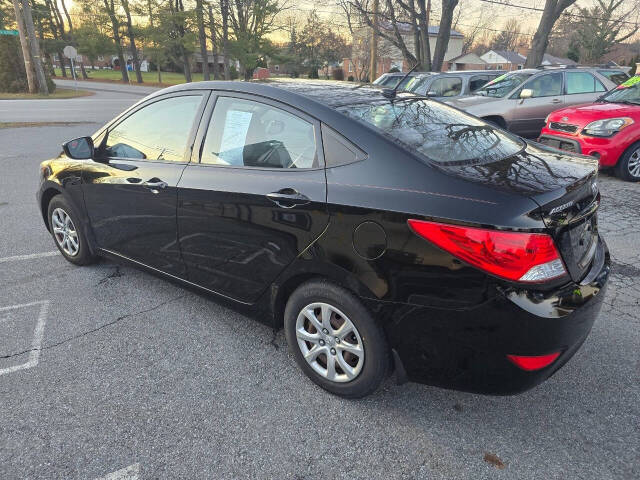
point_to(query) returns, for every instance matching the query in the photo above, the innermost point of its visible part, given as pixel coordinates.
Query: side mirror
(79, 148)
(431, 93)
(526, 93)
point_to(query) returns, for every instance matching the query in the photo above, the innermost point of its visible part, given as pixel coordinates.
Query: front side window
(245, 133)
(477, 82)
(582, 82)
(446, 87)
(546, 85)
(437, 131)
(157, 132)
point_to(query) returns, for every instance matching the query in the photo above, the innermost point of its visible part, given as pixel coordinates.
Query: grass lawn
(59, 93)
(149, 78)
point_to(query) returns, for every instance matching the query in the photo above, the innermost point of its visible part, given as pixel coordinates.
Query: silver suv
(521, 100)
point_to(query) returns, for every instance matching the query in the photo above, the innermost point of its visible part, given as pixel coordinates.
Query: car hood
(583, 114)
(464, 103)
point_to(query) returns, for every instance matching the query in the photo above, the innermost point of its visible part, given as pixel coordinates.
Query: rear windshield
(441, 133)
(501, 86)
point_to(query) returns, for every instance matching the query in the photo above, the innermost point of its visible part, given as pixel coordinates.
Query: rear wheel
(66, 233)
(335, 340)
(628, 166)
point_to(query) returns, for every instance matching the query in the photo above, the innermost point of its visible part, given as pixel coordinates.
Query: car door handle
(155, 185)
(556, 100)
(288, 198)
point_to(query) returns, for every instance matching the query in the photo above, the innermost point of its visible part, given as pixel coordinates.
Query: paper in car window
(497, 79)
(233, 137)
(631, 82)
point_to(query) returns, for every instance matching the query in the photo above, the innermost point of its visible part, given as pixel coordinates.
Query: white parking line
(38, 332)
(128, 473)
(17, 258)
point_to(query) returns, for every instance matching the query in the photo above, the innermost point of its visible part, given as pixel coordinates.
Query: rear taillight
(521, 257)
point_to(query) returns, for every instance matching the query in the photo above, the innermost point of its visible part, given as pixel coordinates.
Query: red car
(608, 129)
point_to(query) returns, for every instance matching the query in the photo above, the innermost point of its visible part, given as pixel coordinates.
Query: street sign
(9, 32)
(70, 52)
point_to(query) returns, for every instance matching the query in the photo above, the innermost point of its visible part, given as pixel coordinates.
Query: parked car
(451, 84)
(608, 129)
(391, 80)
(616, 76)
(382, 233)
(520, 100)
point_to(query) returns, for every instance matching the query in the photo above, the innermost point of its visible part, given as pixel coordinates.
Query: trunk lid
(564, 188)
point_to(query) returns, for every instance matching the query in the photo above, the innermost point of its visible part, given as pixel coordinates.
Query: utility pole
(35, 48)
(25, 48)
(373, 61)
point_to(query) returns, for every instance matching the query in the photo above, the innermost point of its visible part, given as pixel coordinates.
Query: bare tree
(132, 40)
(552, 11)
(115, 27)
(202, 39)
(509, 37)
(444, 33)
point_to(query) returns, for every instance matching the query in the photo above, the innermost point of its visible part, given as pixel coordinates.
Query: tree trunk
(83, 71)
(24, 44)
(214, 45)
(552, 11)
(224, 6)
(423, 22)
(109, 6)
(202, 40)
(62, 67)
(132, 40)
(444, 33)
(154, 43)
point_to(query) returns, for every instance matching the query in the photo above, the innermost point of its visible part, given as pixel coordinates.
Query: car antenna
(391, 92)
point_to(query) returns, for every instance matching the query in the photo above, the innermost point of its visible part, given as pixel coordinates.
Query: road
(138, 375)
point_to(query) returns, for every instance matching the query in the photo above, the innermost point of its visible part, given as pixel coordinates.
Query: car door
(529, 113)
(582, 87)
(130, 189)
(255, 198)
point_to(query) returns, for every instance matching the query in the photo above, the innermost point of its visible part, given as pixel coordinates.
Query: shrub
(13, 77)
(350, 78)
(337, 74)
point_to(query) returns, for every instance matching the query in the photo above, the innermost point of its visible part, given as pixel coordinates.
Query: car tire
(628, 166)
(67, 236)
(354, 344)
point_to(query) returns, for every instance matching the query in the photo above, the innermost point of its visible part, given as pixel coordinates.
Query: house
(389, 55)
(503, 60)
(468, 61)
(196, 61)
(549, 59)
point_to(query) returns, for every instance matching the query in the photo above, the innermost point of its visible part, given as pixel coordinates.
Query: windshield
(416, 83)
(501, 86)
(627, 92)
(441, 133)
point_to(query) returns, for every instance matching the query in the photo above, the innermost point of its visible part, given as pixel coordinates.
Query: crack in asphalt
(116, 273)
(93, 330)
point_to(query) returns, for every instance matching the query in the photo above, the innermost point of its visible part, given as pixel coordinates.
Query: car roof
(331, 94)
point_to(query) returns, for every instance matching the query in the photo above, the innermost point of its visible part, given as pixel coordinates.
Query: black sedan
(385, 232)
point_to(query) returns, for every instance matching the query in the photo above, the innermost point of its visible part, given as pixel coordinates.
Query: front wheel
(628, 166)
(69, 239)
(335, 340)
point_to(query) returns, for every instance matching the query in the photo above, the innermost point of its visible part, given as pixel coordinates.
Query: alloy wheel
(65, 232)
(330, 342)
(634, 164)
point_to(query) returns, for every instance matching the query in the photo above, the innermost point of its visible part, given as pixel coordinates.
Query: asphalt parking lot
(108, 369)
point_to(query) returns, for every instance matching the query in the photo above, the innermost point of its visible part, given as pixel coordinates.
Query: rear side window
(338, 150)
(615, 76)
(582, 82)
(252, 134)
(157, 132)
(446, 87)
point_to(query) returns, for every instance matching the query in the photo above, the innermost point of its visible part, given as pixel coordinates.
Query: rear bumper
(467, 349)
(606, 150)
